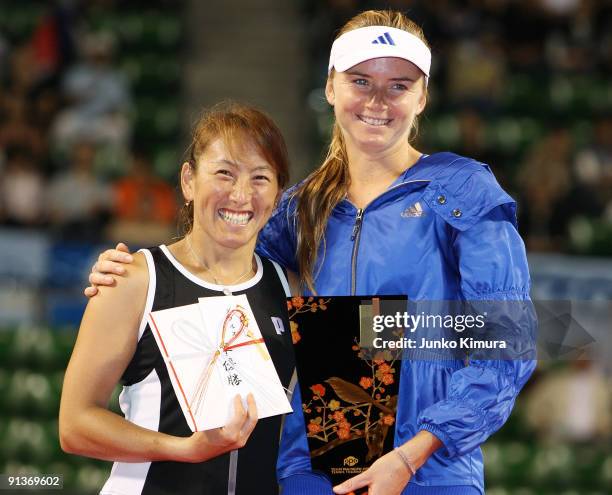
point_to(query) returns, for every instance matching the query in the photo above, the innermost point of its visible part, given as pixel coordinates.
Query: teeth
(371, 121)
(235, 218)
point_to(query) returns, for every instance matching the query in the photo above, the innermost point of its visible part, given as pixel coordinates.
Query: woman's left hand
(387, 476)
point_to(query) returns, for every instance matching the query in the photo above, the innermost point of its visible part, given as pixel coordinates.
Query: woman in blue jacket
(380, 217)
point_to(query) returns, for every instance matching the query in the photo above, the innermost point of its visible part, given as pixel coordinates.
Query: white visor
(367, 43)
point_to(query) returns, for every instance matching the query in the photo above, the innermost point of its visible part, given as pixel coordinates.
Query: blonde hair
(319, 194)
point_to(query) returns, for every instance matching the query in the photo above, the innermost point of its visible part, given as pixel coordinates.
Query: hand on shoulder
(110, 263)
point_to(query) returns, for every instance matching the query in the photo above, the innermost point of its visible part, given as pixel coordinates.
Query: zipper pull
(357, 225)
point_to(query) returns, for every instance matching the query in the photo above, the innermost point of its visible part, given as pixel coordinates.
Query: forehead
(240, 151)
(391, 67)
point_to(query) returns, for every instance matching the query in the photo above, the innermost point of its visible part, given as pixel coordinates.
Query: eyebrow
(360, 74)
(263, 167)
(226, 162)
(236, 164)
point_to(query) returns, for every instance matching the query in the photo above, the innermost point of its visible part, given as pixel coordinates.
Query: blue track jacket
(445, 230)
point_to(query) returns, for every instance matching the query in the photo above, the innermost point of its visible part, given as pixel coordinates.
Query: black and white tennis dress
(148, 398)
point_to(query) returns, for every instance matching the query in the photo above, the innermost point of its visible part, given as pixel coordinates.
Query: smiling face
(375, 103)
(233, 194)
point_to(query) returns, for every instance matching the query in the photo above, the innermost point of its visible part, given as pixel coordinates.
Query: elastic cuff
(448, 451)
(415, 489)
(306, 484)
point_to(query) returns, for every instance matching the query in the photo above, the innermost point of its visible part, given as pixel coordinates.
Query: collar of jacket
(459, 189)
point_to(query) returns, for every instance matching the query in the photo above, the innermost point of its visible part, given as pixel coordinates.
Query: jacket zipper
(355, 236)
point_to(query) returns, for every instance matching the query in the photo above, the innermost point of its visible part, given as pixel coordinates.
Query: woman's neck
(372, 174)
(217, 264)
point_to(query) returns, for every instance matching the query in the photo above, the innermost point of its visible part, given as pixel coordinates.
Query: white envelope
(214, 350)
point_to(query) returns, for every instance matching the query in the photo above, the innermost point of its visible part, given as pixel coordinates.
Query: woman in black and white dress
(231, 182)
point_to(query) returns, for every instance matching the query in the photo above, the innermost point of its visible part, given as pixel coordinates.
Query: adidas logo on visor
(384, 39)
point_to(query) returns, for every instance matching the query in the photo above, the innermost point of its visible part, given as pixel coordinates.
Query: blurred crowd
(69, 164)
(571, 404)
(523, 85)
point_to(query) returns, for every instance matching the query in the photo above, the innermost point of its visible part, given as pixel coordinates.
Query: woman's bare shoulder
(133, 282)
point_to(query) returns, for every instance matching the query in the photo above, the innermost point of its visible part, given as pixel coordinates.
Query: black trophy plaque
(349, 389)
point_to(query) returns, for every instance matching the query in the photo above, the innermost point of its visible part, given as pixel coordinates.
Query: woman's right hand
(109, 262)
(204, 445)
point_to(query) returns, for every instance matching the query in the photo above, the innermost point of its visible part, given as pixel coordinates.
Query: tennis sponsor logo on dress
(416, 210)
(383, 39)
(278, 325)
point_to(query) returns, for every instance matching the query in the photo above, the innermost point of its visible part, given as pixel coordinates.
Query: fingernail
(128, 258)
(108, 280)
(119, 269)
